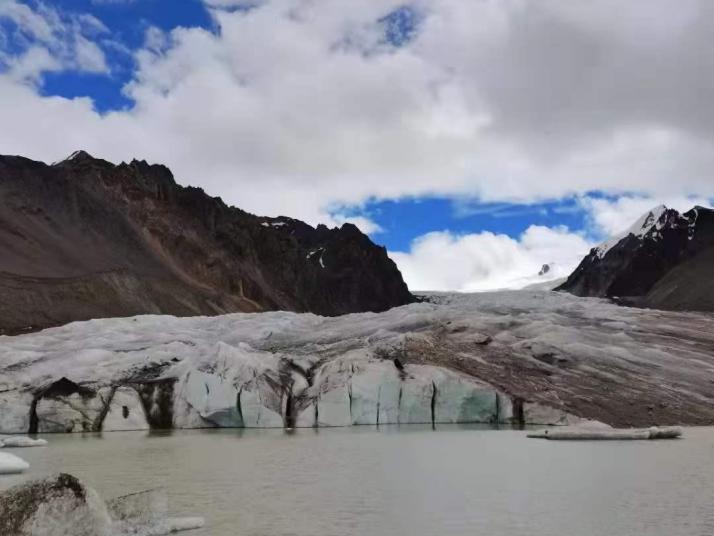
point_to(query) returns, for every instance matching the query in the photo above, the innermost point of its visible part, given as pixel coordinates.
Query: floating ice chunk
(590, 433)
(11, 464)
(178, 524)
(22, 442)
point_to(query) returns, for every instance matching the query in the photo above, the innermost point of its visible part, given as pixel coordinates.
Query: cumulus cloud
(45, 40)
(294, 106)
(488, 261)
(610, 217)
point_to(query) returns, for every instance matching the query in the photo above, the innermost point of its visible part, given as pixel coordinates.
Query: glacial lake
(409, 480)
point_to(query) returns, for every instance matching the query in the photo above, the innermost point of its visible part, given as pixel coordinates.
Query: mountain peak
(79, 155)
(641, 227)
(104, 240)
(663, 261)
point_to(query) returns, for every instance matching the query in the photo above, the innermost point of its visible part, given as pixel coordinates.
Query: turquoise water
(415, 481)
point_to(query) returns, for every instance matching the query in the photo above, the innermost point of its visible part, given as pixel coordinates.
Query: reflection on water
(402, 481)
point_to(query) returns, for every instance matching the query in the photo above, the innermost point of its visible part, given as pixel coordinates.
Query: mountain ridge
(663, 261)
(85, 238)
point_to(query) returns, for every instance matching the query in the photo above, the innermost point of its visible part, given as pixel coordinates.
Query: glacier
(516, 357)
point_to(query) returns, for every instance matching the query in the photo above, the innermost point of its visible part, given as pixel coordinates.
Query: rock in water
(56, 506)
(11, 464)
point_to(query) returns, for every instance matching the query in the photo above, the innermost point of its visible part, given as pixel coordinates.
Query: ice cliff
(507, 357)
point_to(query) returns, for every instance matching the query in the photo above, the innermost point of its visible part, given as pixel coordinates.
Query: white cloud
(36, 24)
(487, 261)
(610, 217)
(366, 225)
(49, 41)
(295, 106)
(29, 65)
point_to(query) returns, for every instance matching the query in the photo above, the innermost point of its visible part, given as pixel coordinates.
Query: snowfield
(505, 357)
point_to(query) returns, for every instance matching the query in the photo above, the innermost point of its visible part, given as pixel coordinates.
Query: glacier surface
(506, 357)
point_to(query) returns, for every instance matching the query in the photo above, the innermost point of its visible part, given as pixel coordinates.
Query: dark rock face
(666, 263)
(85, 238)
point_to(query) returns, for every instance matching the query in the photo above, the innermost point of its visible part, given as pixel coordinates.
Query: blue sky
(476, 141)
(405, 219)
(127, 23)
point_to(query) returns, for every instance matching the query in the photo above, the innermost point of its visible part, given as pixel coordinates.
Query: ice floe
(11, 464)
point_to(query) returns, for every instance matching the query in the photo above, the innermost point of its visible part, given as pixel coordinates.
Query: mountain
(84, 238)
(664, 261)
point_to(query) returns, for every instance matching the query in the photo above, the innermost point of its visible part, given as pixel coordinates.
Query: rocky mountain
(84, 238)
(664, 261)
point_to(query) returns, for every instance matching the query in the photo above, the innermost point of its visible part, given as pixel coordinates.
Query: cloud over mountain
(503, 101)
(310, 108)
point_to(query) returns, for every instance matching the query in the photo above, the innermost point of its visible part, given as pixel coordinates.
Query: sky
(477, 140)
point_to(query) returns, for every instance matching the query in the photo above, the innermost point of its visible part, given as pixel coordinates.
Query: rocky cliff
(663, 261)
(85, 238)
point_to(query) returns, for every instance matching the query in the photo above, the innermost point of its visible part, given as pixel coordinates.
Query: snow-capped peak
(77, 155)
(644, 224)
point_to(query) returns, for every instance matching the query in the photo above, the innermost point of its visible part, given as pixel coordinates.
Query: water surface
(415, 481)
